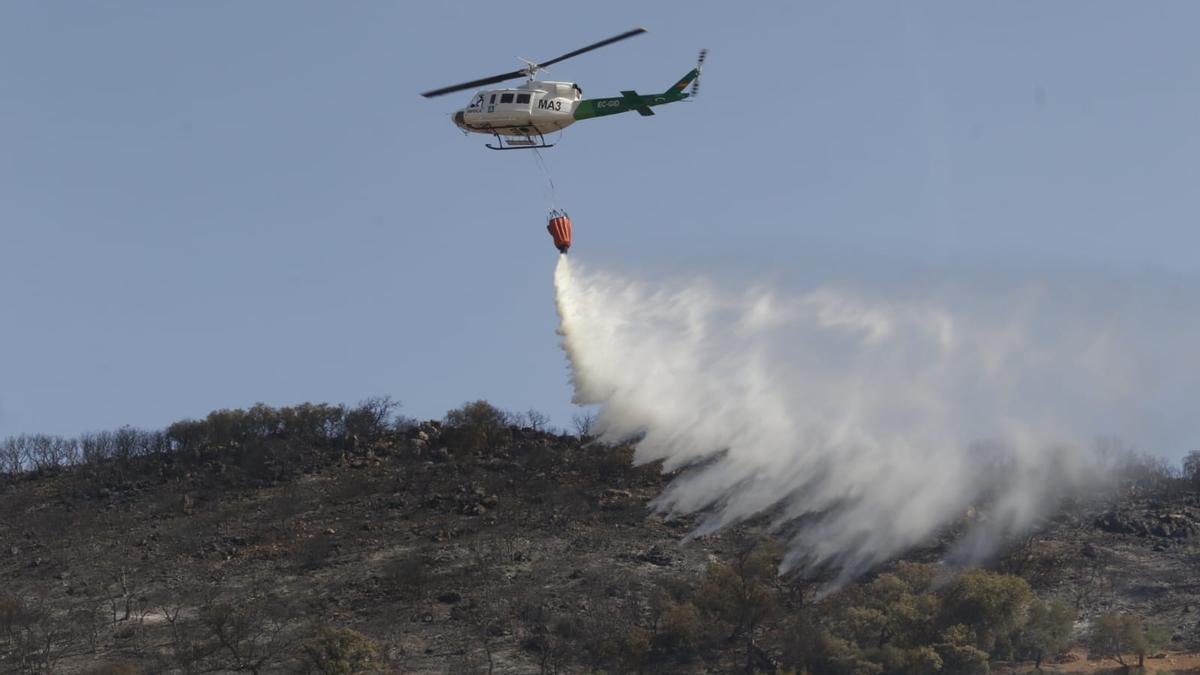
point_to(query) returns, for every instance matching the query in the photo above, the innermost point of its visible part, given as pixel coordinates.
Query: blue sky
(206, 205)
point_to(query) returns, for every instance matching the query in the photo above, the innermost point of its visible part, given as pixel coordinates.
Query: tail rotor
(699, 69)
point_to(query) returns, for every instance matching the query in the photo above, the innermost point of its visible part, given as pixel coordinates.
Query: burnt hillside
(327, 539)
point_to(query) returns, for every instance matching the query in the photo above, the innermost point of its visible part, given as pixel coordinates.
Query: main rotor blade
(523, 73)
(476, 83)
(602, 43)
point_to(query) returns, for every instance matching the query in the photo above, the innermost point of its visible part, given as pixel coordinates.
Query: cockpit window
(522, 98)
(506, 98)
(493, 101)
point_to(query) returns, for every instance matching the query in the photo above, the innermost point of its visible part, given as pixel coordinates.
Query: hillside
(326, 539)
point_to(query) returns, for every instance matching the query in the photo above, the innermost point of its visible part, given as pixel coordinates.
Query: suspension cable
(541, 162)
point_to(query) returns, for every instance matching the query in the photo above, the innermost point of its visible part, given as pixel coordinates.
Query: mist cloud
(864, 420)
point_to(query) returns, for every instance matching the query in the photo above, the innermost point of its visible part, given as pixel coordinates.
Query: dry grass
(1181, 663)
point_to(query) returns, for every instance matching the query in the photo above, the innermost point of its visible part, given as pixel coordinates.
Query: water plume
(863, 421)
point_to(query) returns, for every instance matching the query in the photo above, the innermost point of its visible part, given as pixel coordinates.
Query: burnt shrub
(315, 552)
(406, 575)
(340, 651)
(371, 419)
(681, 630)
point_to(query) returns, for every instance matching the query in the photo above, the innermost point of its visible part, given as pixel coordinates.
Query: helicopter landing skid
(525, 142)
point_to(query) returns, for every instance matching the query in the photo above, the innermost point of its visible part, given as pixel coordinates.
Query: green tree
(811, 648)
(1047, 630)
(887, 611)
(476, 426)
(1117, 634)
(741, 594)
(914, 661)
(992, 604)
(959, 654)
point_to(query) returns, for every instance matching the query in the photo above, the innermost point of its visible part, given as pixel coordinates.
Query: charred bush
(340, 651)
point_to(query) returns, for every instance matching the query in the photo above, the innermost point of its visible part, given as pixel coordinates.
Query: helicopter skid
(519, 143)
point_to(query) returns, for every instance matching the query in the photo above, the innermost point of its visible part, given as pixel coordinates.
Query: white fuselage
(537, 108)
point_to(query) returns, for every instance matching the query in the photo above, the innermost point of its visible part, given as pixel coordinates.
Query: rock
(1165, 525)
(615, 500)
(655, 556)
(1115, 522)
(1177, 526)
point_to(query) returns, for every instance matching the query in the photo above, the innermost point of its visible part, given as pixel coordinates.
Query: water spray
(861, 423)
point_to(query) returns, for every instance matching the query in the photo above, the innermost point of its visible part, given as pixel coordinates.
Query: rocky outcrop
(1180, 524)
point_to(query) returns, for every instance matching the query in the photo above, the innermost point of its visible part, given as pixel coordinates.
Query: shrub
(371, 419)
(184, 436)
(341, 651)
(13, 613)
(313, 423)
(315, 551)
(406, 575)
(1191, 468)
(476, 426)
(681, 628)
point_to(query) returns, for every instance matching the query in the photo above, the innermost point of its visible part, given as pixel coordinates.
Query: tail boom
(633, 101)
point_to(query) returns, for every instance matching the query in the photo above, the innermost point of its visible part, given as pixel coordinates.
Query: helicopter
(520, 117)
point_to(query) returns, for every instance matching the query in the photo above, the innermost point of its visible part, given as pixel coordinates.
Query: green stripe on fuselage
(599, 107)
